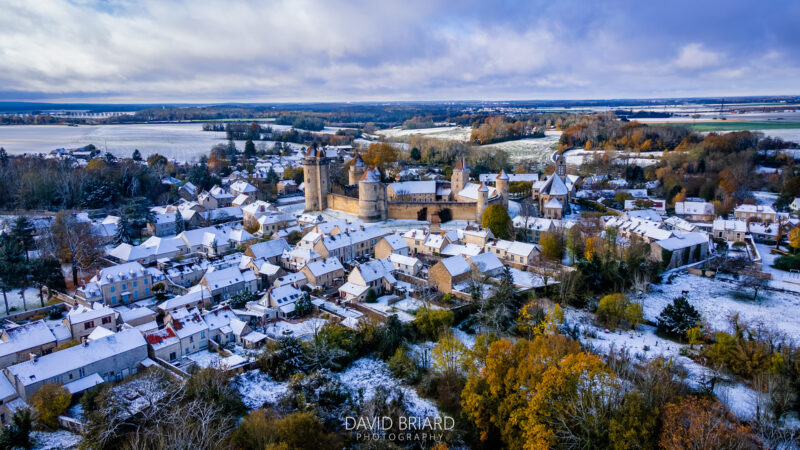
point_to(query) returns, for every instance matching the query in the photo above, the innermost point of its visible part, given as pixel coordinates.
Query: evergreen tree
(677, 318)
(3, 158)
(496, 219)
(137, 156)
(123, 233)
(22, 232)
(303, 306)
(180, 225)
(249, 149)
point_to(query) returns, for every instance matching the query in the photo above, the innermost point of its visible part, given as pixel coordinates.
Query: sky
(409, 50)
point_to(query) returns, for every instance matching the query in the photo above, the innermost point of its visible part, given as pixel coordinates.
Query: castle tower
(316, 179)
(460, 177)
(502, 187)
(561, 167)
(371, 197)
(483, 202)
(357, 168)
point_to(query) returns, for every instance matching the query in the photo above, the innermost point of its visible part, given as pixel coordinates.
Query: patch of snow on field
(60, 439)
(715, 300)
(366, 374)
(781, 279)
(447, 133)
(257, 388)
(15, 300)
(538, 149)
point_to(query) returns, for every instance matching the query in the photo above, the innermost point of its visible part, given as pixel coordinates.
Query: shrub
(50, 401)
(677, 318)
(17, 434)
(787, 262)
(615, 308)
(430, 322)
(403, 366)
(371, 296)
(496, 219)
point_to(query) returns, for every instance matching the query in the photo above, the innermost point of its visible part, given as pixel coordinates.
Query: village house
(298, 257)
(406, 264)
(764, 232)
(375, 274)
(241, 187)
(347, 245)
(758, 213)
(533, 227)
(520, 253)
(190, 329)
(391, 244)
(219, 325)
(118, 285)
(450, 272)
(323, 273)
(197, 297)
(695, 211)
(281, 300)
(111, 359)
(286, 187)
(487, 264)
(164, 224)
(82, 320)
(730, 230)
(296, 279)
(270, 251)
(477, 237)
(680, 250)
(164, 344)
(19, 342)
(225, 283)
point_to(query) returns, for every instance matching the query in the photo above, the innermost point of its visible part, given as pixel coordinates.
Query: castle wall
(409, 210)
(342, 203)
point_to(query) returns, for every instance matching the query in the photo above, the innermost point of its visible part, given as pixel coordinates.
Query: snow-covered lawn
(781, 279)
(578, 156)
(717, 300)
(405, 309)
(447, 133)
(60, 439)
(15, 300)
(364, 375)
(538, 149)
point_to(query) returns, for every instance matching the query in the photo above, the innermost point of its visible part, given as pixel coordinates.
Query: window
(191, 338)
(114, 300)
(146, 291)
(202, 334)
(172, 356)
(89, 324)
(106, 320)
(135, 283)
(145, 281)
(124, 286)
(111, 289)
(135, 294)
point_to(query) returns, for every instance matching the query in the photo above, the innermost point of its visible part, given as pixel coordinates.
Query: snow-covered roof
(735, 225)
(456, 265)
(98, 333)
(84, 383)
(219, 318)
(470, 191)
(461, 249)
(216, 279)
(284, 294)
(80, 313)
(533, 223)
(23, 337)
(269, 249)
(759, 209)
(371, 176)
(290, 278)
(350, 238)
(119, 272)
(649, 214)
(193, 296)
(694, 208)
(243, 187)
(414, 187)
(56, 363)
(323, 266)
(377, 269)
(683, 241)
(553, 203)
(353, 289)
(189, 324)
(513, 247)
(487, 262)
(403, 259)
(6, 389)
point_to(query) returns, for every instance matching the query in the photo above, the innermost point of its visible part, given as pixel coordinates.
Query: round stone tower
(371, 197)
(502, 187)
(316, 179)
(460, 177)
(483, 202)
(357, 168)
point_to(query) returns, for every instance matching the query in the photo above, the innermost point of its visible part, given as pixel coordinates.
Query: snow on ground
(717, 300)
(447, 133)
(15, 300)
(578, 156)
(405, 308)
(257, 388)
(366, 374)
(781, 279)
(60, 439)
(538, 149)
(466, 338)
(764, 197)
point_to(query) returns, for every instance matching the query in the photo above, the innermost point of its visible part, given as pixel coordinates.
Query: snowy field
(577, 156)
(60, 439)
(717, 300)
(363, 375)
(446, 133)
(538, 149)
(15, 303)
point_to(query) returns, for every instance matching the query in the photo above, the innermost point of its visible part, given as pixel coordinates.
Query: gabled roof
(456, 265)
(486, 262)
(323, 266)
(461, 165)
(269, 249)
(371, 176)
(554, 186)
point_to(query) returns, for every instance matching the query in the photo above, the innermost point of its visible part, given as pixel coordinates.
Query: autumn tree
(380, 155)
(429, 323)
(794, 239)
(74, 242)
(552, 245)
(615, 308)
(496, 218)
(50, 401)
(703, 423)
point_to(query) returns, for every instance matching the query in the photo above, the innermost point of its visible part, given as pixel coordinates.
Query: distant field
(732, 126)
(539, 149)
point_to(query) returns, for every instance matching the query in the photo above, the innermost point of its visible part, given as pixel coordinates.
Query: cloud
(695, 56)
(315, 50)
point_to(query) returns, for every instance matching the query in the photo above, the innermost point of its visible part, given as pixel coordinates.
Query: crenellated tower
(372, 206)
(501, 186)
(316, 179)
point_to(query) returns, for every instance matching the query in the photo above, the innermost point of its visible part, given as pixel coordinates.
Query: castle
(417, 200)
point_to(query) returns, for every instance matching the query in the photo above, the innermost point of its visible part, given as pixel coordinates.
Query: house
(795, 205)
(151, 250)
(533, 227)
(135, 316)
(111, 358)
(223, 197)
(520, 253)
(7, 395)
(281, 300)
(242, 200)
(164, 344)
(412, 191)
(391, 244)
(218, 216)
(695, 211)
(730, 230)
(477, 237)
(375, 274)
(347, 245)
(405, 264)
(190, 328)
(297, 280)
(188, 191)
(19, 342)
(423, 242)
(256, 209)
(299, 257)
(448, 273)
(118, 285)
(82, 320)
(659, 205)
(219, 325)
(272, 223)
(225, 283)
(197, 297)
(680, 250)
(270, 251)
(241, 187)
(323, 272)
(487, 264)
(758, 213)
(764, 232)
(164, 224)
(286, 187)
